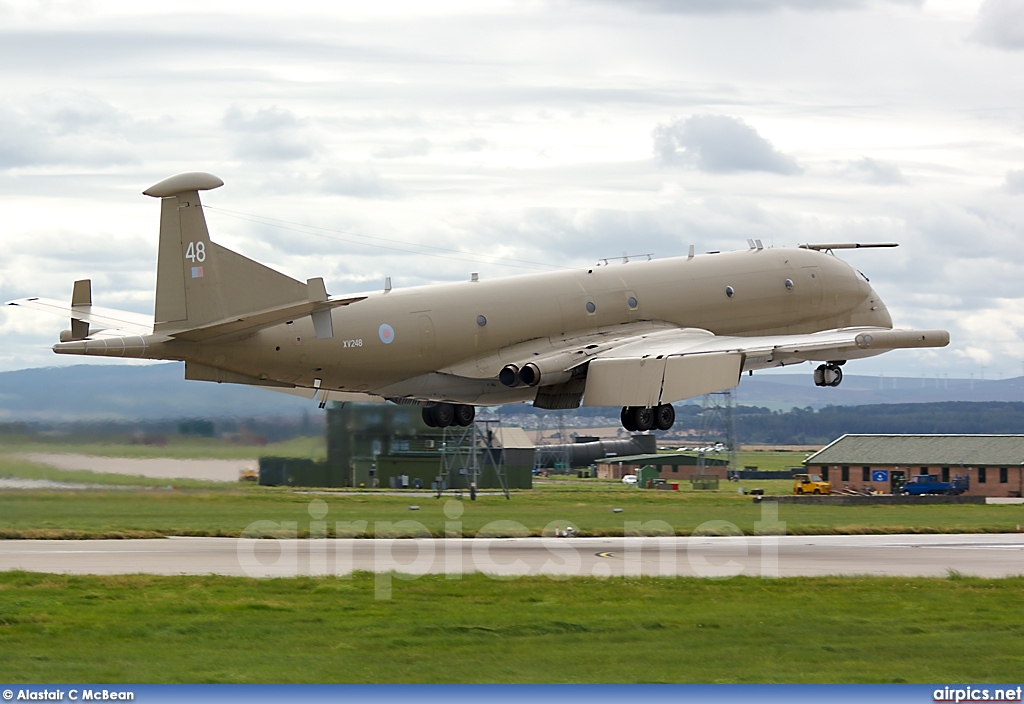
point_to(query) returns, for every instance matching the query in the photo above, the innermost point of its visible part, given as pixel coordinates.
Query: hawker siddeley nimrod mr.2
(639, 335)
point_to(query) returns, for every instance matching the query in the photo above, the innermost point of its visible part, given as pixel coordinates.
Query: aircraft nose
(878, 312)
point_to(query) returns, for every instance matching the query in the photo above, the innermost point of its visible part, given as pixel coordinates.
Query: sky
(426, 141)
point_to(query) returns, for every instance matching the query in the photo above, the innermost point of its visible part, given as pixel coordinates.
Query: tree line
(800, 426)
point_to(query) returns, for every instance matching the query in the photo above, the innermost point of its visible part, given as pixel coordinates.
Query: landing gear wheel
(464, 415)
(444, 414)
(626, 418)
(828, 375)
(664, 416)
(428, 416)
(643, 418)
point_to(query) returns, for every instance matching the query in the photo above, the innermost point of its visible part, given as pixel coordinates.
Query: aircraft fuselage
(406, 333)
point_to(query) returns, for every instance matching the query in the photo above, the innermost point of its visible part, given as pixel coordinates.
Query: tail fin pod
(198, 281)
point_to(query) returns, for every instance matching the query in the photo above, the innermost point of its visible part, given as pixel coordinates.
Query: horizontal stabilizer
(106, 318)
(257, 320)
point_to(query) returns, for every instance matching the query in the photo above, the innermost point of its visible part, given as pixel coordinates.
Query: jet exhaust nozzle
(509, 375)
(530, 374)
(533, 375)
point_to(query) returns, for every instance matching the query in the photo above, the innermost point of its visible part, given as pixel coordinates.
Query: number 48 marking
(196, 252)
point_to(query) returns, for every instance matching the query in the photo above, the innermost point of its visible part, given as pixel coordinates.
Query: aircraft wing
(103, 318)
(672, 365)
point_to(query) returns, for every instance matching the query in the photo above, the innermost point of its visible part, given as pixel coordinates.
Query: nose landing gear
(828, 374)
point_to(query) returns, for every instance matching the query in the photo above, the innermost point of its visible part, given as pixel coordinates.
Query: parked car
(810, 484)
(922, 484)
(629, 479)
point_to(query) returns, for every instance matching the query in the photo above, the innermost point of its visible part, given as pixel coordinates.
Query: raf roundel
(387, 334)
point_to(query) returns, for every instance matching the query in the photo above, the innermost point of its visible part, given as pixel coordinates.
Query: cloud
(718, 144)
(1001, 24)
(358, 183)
(475, 144)
(1014, 184)
(721, 7)
(270, 134)
(63, 127)
(873, 171)
(415, 147)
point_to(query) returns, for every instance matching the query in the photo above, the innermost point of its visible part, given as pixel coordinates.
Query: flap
(624, 382)
(698, 374)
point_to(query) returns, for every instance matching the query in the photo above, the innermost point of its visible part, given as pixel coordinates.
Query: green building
(387, 446)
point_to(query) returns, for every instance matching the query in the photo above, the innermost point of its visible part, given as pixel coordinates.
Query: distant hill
(134, 392)
(784, 391)
(159, 391)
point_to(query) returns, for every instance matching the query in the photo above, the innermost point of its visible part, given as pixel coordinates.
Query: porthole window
(481, 320)
(789, 284)
(591, 308)
(729, 291)
(631, 302)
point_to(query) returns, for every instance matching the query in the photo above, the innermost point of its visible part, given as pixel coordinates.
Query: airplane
(638, 335)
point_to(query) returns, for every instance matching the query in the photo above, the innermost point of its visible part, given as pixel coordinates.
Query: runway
(996, 555)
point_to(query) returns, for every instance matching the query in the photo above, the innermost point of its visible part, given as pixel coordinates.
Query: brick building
(994, 463)
(674, 467)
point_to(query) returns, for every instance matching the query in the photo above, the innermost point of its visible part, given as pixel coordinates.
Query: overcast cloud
(718, 144)
(425, 141)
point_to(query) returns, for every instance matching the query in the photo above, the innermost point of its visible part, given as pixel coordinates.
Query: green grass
(137, 506)
(152, 629)
(16, 468)
(177, 447)
(77, 514)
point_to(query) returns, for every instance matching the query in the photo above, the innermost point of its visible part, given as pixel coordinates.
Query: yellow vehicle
(810, 484)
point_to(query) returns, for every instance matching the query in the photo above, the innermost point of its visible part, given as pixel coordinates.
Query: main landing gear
(641, 418)
(441, 415)
(829, 374)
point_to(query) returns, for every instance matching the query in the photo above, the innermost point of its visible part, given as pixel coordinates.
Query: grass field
(177, 447)
(220, 629)
(137, 506)
(151, 629)
(81, 514)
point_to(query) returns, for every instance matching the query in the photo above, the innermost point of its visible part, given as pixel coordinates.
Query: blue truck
(921, 484)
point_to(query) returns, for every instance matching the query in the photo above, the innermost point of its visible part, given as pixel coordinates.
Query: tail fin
(198, 282)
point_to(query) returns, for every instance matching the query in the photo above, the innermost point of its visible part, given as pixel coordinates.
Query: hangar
(994, 463)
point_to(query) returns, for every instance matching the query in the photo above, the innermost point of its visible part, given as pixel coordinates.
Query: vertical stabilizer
(199, 282)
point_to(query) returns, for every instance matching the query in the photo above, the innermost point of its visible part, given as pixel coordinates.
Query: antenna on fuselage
(690, 255)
